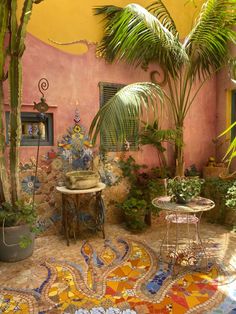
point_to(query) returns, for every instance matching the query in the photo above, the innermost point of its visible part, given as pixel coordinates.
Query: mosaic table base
(124, 277)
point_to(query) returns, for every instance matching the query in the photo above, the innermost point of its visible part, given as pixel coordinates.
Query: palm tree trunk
(179, 149)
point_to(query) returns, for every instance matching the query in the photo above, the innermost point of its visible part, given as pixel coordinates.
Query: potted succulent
(184, 189)
(17, 231)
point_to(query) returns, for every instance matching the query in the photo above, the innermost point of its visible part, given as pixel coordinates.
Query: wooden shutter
(108, 90)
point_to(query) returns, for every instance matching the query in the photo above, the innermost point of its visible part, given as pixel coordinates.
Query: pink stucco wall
(74, 79)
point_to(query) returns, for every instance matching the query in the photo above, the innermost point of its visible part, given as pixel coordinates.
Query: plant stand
(179, 252)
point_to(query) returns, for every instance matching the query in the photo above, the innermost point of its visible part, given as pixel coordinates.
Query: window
(31, 125)
(233, 113)
(108, 90)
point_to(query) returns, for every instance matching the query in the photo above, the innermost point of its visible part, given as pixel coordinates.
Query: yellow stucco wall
(70, 20)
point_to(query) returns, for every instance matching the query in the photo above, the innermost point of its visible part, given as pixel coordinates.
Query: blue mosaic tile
(155, 284)
(29, 183)
(39, 289)
(97, 261)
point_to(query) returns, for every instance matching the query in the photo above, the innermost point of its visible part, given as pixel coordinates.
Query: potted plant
(17, 231)
(144, 186)
(14, 212)
(183, 189)
(134, 210)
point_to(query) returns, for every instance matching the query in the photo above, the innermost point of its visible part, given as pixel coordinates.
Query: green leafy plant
(144, 187)
(192, 171)
(21, 214)
(141, 36)
(135, 211)
(231, 196)
(216, 190)
(183, 189)
(231, 151)
(152, 134)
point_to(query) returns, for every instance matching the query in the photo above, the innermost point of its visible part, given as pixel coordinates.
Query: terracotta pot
(10, 237)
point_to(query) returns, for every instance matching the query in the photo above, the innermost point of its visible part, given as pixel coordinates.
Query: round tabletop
(62, 189)
(198, 204)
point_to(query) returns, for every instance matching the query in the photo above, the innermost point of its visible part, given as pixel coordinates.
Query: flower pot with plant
(17, 231)
(144, 186)
(183, 189)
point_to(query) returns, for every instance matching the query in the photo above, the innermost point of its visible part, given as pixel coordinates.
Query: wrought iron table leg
(65, 219)
(100, 212)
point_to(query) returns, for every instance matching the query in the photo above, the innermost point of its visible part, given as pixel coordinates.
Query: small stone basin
(81, 180)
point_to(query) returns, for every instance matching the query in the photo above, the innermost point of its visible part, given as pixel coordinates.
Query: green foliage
(128, 104)
(21, 213)
(130, 169)
(191, 171)
(231, 196)
(141, 36)
(144, 187)
(231, 151)
(216, 190)
(183, 189)
(24, 242)
(151, 134)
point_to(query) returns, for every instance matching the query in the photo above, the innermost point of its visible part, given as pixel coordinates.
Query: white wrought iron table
(71, 209)
(190, 252)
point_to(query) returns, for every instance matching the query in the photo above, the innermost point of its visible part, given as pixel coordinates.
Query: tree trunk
(180, 164)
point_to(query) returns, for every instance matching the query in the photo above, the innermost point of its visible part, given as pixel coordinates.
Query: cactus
(4, 182)
(17, 35)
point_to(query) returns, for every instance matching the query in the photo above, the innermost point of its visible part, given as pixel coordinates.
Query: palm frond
(159, 10)
(129, 104)
(152, 134)
(135, 35)
(206, 44)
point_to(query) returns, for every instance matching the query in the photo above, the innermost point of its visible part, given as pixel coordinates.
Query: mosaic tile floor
(119, 275)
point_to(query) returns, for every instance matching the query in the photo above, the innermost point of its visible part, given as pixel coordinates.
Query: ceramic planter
(80, 180)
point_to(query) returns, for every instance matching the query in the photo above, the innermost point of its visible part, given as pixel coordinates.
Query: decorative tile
(116, 276)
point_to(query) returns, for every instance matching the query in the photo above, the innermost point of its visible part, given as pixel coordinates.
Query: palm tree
(140, 36)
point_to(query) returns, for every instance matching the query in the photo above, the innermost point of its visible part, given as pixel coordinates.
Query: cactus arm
(4, 182)
(21, 33)
(17, 48)
(18, 34)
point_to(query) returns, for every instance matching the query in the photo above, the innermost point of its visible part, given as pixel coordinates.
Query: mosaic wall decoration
(74, 151)
(124, 277)
(75, 146)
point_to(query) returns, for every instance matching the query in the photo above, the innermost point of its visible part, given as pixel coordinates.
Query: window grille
(30, 126)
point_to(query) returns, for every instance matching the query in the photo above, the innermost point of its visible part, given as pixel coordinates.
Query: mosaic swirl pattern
(124, 278)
